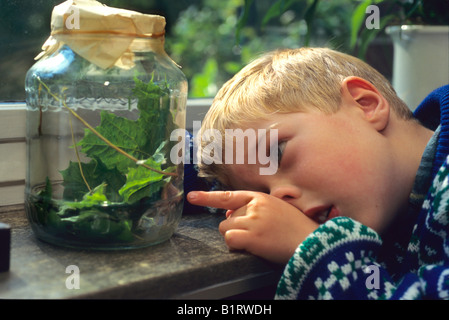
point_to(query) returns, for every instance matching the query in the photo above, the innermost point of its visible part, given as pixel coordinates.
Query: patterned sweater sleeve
(331, 263)
(339, 259)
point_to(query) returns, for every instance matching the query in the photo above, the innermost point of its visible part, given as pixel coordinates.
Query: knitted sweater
(344, 259)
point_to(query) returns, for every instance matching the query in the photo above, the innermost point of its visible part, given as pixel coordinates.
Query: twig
(78, 157)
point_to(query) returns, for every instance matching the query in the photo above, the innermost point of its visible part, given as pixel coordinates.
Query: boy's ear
(364, 95)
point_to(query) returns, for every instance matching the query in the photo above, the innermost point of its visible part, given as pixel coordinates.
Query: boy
(357, 208)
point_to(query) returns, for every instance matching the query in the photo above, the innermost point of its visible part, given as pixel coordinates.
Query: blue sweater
(344, 259)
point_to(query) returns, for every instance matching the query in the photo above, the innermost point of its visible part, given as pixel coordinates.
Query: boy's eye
(281, 148)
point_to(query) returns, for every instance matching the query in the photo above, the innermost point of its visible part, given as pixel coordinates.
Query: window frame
(13, 153)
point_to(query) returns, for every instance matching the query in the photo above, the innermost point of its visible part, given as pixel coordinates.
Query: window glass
(201, 35)
(24, 25)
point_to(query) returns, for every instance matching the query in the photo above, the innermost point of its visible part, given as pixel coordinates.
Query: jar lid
(73, 19)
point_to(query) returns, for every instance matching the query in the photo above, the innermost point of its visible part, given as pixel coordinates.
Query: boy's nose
(287, 193)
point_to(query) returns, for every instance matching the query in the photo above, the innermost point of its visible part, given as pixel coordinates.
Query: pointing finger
(230, 200)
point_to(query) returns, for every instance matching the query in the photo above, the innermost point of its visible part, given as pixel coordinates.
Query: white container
(421, 60)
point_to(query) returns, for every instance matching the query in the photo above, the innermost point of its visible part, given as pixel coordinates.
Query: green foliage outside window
(201, 35)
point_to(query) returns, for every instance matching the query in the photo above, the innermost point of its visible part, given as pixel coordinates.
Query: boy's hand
(258, 223)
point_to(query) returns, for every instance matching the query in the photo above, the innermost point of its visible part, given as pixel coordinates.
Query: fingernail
(192, 195)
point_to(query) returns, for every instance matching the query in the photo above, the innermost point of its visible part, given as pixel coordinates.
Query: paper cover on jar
(86, 27)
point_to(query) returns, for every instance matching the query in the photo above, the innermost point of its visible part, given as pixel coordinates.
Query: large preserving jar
(102, 101)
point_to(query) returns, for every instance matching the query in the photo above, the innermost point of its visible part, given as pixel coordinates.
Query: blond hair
(289, 80)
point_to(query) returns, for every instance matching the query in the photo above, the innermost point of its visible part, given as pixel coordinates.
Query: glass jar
(99, 173)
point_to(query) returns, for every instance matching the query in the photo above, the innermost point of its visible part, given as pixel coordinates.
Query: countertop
(194, 264)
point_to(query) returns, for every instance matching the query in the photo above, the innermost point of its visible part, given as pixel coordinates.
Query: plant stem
(78, 157)
(99, 135)
(39, 128)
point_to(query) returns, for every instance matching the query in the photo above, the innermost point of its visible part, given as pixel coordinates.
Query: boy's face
(329, 165)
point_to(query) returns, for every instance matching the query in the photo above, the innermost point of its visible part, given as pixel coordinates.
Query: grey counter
(194, 264)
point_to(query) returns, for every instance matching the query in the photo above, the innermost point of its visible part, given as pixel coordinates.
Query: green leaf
(138, 138)
(97, 225)
(155, 120)
(232, 67)
(243, 19)
(140, 185)
(201, 81)
(309, 17)
(95, 198)
(126, 134)
(95, 173)
(86, 218)
(276, 10)
(43, 203)
(367, 36)
(142, 182)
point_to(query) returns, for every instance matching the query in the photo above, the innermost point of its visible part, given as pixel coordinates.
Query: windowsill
(194, 264)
